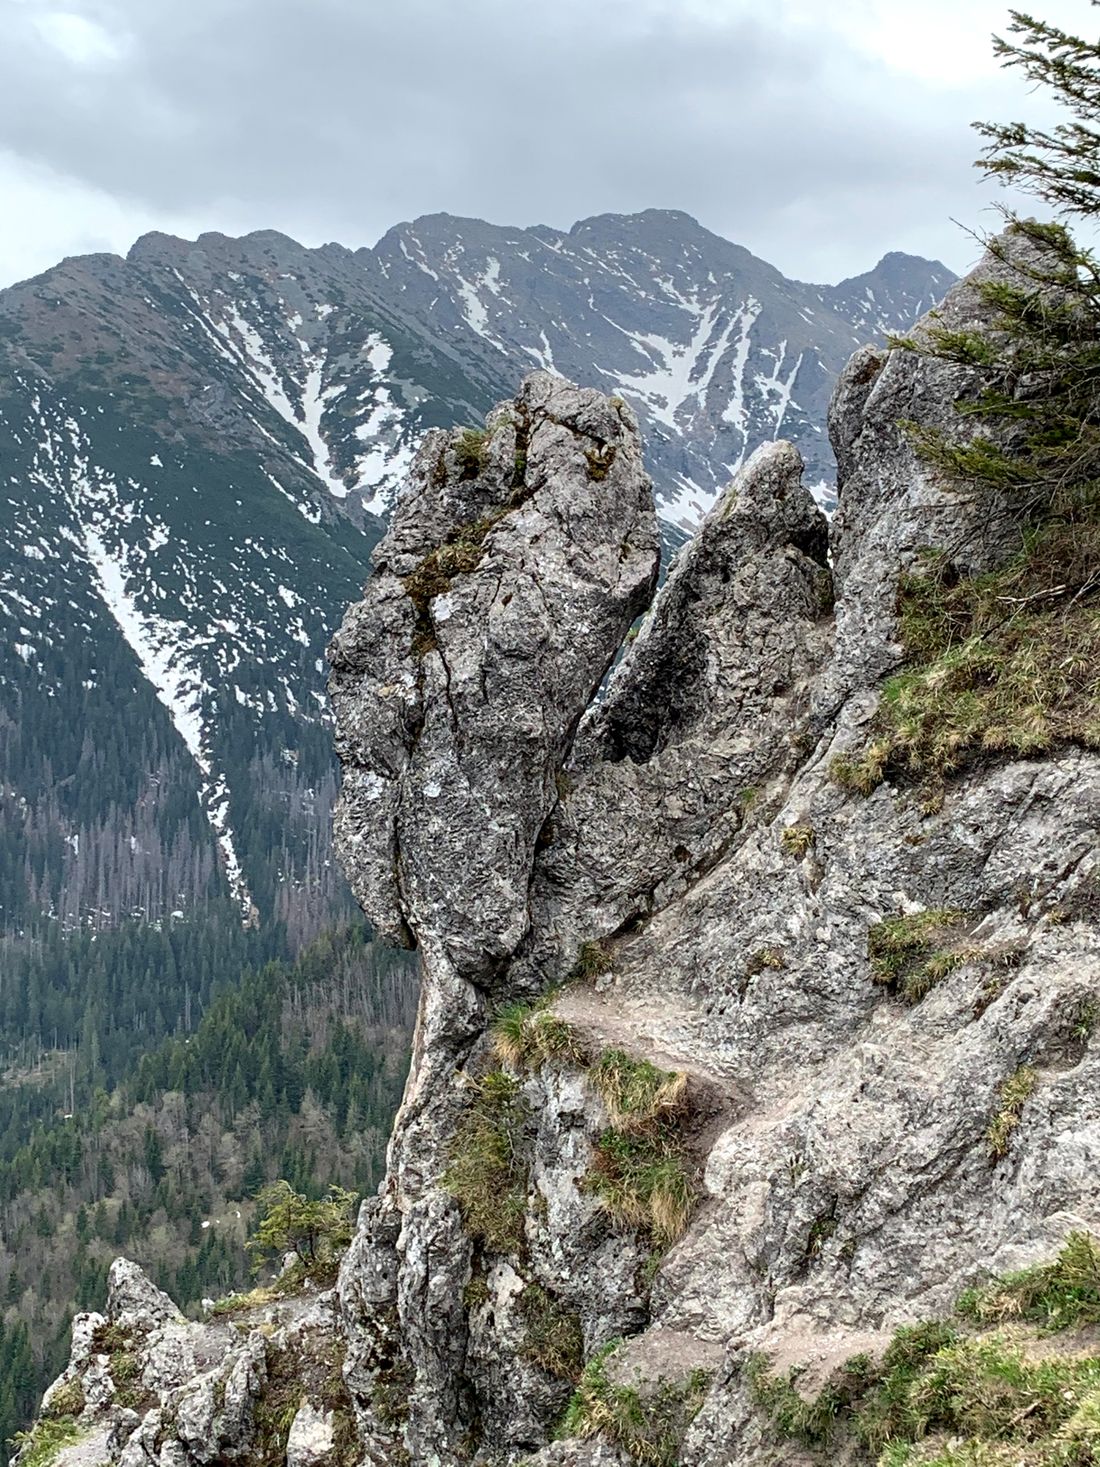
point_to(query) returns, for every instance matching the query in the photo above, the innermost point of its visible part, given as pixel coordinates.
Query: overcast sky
(819, 133)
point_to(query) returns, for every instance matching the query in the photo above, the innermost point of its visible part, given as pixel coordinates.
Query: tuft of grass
(553, 1338)
(527, 1035)
(67, 1401)
(599, 461)
(910, 955)
(321, 1271)
(470, 452)
(864, 772)
(487, 1175)
(764, 958)
(649, 1427)
(593, 960)
(1057, 1295)
(635, 1092)
(641, 1181)
(798, 840)
(641, 1171)
(1014, 1095)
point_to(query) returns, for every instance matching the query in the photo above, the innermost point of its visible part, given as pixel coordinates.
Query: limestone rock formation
(669, 1112)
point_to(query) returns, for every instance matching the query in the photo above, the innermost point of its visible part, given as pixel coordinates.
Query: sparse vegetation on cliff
(910, 955)
(949, 1393)
(1006, 661)
(648, 1423)
(488, 1175)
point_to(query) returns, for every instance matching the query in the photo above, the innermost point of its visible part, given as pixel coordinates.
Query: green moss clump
(910, 955)
(648, 1427)
(1014, 1095)
(487, 1175)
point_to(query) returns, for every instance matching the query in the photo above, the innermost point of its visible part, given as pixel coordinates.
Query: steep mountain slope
(196, 445)
(715, 349)
(747, 1041)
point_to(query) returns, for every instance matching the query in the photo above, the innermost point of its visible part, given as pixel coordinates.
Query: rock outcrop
(665, 1117)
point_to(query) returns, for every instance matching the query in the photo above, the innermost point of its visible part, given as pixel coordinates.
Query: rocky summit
(740, 1057)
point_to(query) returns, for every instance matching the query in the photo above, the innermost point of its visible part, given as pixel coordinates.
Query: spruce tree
(1061, 166)
(1007, 663)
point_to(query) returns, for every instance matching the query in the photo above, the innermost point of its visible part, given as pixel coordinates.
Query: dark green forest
(157, 1078)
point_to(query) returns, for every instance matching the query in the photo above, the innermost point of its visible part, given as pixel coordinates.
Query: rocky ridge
(665, 1117)
(201, 444)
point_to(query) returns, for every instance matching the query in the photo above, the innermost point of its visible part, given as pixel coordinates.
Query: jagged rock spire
(515, 563)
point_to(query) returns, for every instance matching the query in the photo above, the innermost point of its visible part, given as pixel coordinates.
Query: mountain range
(199, 447)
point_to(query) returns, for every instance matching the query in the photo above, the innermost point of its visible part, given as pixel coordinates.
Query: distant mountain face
(199, 445)
(717, 351)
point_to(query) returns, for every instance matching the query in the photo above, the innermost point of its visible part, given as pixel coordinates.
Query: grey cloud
(336, 119)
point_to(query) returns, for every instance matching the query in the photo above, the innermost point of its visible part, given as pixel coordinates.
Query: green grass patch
(43, 1445)
(636, 1092)
(910, 955)
(1001, 665)
(1013, 1096)
(649, 1426)
(1057, 1295)
(936, 1386)
(553, 1338)
(487, 1175)
(592, 961)
(527, 1036)
(951, 1393)
(642, 1181)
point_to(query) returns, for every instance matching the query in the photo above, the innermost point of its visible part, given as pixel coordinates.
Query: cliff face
(717, 1056)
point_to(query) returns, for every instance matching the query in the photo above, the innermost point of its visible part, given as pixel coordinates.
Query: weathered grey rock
(847, 1178)
(893, 504)
(311, 1438)
(498, 599)
(665, 764)
(133, 1299)
(847, 1182)
(501, 594)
